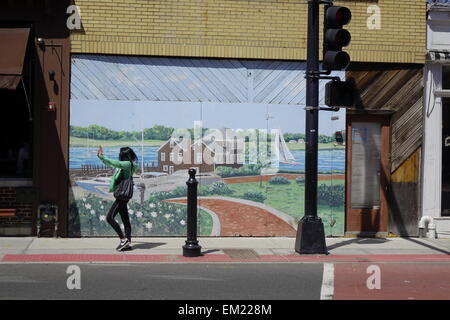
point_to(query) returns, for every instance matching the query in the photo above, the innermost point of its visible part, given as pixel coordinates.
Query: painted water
(88, 156)
(329, 159)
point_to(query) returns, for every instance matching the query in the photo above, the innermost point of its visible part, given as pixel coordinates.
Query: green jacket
(122, 166)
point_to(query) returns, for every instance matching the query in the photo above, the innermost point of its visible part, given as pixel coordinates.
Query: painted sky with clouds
(134, 115)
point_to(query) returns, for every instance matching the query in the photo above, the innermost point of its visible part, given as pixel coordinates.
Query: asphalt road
(200, 281)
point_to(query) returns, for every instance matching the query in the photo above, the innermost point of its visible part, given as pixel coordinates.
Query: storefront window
(16, 124)
(15, 135)
(365, 174)
(446, 77)
(445, 202)
(445, 196)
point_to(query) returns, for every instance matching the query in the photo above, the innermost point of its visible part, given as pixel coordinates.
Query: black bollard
(192, 248)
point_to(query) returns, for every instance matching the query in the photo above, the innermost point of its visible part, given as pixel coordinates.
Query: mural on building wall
(247, 187)
(249, 159)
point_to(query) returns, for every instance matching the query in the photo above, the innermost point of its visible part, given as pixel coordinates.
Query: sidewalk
(31, 249)
(230, 249)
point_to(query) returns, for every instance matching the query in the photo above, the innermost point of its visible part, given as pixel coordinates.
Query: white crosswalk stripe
(327, 290)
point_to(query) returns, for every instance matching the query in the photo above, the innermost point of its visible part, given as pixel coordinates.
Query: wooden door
(368, 174)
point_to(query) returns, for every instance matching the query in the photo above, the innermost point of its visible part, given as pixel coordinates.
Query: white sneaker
(123, 244)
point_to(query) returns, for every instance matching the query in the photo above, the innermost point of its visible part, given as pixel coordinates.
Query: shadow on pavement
(358, 241)
(429, 246)
(210, 251)
(382, 241)
(147, 245)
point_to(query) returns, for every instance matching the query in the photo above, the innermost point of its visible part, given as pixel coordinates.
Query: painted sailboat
(280, 153)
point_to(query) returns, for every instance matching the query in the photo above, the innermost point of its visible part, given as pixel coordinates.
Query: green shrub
(224, 171)
(291, 171)
(300, 180)
(248, 170)
(88, 217)
(331, 195)
(219, 188)
(178, 192)
(203, 191)
(254, 196)
(279, 180)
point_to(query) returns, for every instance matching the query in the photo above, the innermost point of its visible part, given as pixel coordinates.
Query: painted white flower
(182, 222)
(139, 214)
(149, 225)
(92, 211)
(152, 205)
(87, 206)
(130, 212)
(167, 216)
(102, 207)
(102, 218)
(178, 210)
(84, 199)
(154, 214)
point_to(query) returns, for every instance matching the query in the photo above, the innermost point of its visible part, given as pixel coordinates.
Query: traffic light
(334, 37)
(339, 137)
(340, 94)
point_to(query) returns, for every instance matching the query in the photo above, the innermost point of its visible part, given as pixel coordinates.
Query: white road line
(327, 290)
(178, 277)
(17, 279)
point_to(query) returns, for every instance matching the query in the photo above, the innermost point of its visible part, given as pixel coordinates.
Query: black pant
(121, 207)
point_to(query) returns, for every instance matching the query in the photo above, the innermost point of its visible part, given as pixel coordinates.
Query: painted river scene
(246, 194)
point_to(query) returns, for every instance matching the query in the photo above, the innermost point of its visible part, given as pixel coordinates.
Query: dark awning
(13, 45)
(440, 56)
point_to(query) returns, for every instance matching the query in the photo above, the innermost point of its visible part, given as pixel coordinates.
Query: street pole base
(310, 236)
(192, 249)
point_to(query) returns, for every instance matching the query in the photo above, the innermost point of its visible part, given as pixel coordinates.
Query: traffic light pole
(312, 114)
(310, 232)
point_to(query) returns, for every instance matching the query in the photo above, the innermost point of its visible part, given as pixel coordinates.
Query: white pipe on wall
(426, 224)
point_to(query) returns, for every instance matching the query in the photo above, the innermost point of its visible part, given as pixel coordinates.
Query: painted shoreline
(76, 142)
(289, 176)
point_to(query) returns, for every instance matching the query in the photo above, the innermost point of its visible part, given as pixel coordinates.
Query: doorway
(368, 174)
(445, 197)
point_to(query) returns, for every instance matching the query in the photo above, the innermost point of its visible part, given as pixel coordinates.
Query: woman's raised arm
(114, 163)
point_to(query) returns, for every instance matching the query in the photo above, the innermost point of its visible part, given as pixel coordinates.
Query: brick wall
(260, 29)
(8, 200)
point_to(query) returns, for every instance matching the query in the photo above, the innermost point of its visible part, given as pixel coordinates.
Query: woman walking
(125, 167)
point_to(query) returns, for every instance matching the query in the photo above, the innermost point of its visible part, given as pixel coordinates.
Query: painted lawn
(290, 200)
(321, 146)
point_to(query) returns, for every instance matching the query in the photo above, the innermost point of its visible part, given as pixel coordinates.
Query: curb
(222, 258)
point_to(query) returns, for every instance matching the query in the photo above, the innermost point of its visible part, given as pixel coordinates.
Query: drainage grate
(241, 253)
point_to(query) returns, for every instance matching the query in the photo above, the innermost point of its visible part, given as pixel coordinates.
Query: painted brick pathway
(245, 220)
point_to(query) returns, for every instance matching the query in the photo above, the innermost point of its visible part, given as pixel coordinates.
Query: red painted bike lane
(397, 281)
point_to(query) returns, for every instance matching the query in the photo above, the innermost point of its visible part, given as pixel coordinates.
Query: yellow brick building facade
(254, 29)
(387, 73)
